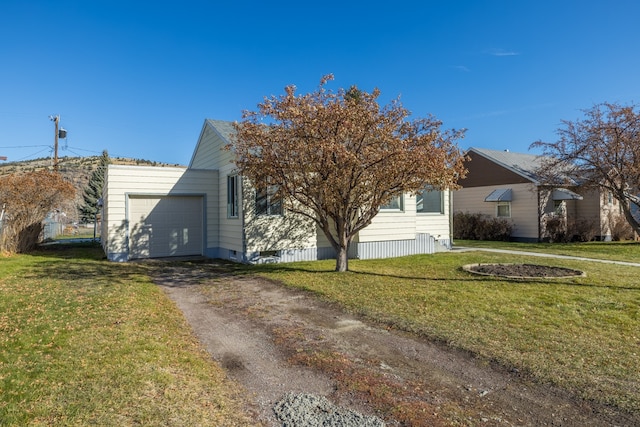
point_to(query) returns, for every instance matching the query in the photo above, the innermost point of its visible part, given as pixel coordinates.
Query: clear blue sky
(138, 78)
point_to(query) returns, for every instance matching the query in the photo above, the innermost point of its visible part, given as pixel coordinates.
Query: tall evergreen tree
(93, 191)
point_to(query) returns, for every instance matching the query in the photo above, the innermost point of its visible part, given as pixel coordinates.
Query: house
(503, 184)
(208, 209)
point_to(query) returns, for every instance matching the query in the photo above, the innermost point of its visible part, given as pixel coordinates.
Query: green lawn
(628, 251)
(84, 341)
(87, 342)
(582, 334)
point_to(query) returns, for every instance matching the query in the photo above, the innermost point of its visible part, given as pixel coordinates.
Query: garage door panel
(165, 226)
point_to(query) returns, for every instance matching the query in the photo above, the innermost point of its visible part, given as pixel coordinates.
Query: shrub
(477, 226)
(26, 199)
(620, 228)
(584, 230)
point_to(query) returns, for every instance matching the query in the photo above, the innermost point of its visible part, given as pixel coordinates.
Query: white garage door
(165, 226)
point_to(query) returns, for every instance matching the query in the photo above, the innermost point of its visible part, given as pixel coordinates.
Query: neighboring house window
(503, 210)
(430, 201)
(232, 195)
(266, 201)
(557, 205)
(395, 204)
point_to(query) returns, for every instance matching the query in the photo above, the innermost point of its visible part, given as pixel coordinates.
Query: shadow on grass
(79, 263)
(467, 278)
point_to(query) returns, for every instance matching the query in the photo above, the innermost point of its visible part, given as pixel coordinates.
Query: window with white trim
(267, 202)
(503, 209)
(430, 201)
(396, 204)
(232, 195)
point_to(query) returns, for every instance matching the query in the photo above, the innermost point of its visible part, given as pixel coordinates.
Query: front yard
(581, 334)
(85, 341)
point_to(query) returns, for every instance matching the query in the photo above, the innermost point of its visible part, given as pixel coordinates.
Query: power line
(26, 146)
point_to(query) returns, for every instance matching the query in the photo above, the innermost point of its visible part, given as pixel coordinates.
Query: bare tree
(336, 157)
(601, 150)
(26, 200)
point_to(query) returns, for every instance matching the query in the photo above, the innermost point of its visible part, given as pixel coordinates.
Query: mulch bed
(522, 270)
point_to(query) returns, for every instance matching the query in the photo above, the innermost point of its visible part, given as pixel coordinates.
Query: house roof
(224, 128)
(522, 164)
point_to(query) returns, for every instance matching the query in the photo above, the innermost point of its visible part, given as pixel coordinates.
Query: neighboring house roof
(524, 165)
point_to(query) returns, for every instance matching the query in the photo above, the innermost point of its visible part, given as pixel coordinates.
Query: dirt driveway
(274, 340)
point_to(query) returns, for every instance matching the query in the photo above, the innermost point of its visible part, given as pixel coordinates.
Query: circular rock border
(507, 271)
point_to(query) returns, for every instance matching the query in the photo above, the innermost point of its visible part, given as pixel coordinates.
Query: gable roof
(521, 164)
(223, 129)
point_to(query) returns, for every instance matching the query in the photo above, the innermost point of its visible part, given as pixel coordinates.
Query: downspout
(539, 216)
(450, 219)
(242, 221)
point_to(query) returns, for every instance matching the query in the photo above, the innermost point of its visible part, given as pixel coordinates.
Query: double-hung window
(430, 201)
(396, 204)
(503, 210)
(233, 186)
(267, 200)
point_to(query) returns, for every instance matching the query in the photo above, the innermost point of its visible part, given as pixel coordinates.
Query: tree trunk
(633, 222)
(342, 259)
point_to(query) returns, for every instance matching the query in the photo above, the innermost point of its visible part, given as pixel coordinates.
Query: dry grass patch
(579, 333)
(85, 342)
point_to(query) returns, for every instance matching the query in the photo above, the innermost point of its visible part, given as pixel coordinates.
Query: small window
(232, 196)
(267, 203)
(503, 210)
(395, 204)
(430, 201)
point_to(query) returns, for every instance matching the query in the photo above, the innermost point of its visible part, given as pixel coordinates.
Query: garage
(165, 226)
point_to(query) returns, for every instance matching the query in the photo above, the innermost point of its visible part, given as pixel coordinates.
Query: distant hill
(76, 170)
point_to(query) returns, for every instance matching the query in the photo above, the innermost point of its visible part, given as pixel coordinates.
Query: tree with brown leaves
(601, 150)
(337, 157)
(26, 200)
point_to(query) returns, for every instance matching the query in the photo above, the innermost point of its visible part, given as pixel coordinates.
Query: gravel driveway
(254, 328)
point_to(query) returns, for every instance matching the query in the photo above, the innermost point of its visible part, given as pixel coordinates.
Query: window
(267, 203)
(395, 204)
(430, 201)
(503, 210)
(232, 196)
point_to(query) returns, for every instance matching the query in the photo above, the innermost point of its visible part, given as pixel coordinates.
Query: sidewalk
(543, 255)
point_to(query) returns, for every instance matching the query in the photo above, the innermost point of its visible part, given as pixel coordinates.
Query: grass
(628, 251)
(582, 334)
(84, 341)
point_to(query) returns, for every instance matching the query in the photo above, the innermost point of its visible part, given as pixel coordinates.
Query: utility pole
(56, 121)
(58, 133)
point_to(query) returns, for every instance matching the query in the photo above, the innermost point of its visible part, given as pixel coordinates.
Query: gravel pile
(296, 410)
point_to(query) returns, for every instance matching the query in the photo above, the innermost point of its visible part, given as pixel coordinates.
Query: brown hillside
(76, 170)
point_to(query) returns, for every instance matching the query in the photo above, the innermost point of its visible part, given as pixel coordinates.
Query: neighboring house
(506, 185)
(208, 209)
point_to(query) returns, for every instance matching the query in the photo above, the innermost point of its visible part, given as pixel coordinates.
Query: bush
(557, 229)
(477, 226)
(620, 228)
(26, 200)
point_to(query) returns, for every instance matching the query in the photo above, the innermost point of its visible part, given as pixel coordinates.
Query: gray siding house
(208, 209)
(504, 184)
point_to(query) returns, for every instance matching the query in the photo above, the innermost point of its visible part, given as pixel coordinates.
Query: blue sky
(138, 78)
